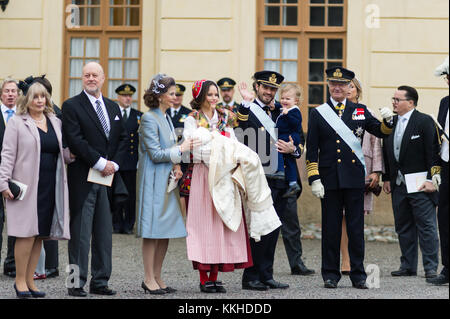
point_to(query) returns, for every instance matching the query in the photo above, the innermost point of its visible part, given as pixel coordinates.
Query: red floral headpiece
(197, 88)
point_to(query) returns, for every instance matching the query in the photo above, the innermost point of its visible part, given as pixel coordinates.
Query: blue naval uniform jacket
(329, 158)
(130, 159)
(247, 120)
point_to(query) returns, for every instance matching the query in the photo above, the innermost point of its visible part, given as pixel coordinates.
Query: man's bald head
(93, 78)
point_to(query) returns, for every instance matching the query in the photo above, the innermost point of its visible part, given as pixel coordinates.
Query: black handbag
(15, 189)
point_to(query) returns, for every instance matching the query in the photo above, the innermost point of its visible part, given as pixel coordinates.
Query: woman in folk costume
(211, 245)
(373, 157)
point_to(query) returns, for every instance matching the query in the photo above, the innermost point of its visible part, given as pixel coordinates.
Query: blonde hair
(297, 89)
(358, 87)
(35, 89)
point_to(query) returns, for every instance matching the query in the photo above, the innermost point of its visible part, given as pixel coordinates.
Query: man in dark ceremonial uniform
(257, 119)
(178, 113)
(124, 215)
(336, 172)
(226, 86)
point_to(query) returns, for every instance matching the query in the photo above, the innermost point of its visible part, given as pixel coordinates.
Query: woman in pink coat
(373, 157)
(33, 155)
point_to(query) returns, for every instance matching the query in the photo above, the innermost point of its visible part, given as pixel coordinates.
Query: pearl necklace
(39, 121)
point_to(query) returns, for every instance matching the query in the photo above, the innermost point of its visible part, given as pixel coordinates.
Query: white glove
(436, 179)
(246, 104)
(317, 188)
(386, 114)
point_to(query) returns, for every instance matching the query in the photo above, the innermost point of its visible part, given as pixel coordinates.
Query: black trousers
(2, 222)
(263, 252)
(51, 254)
(352, 200)
(124, 216)
(416, 225)
(443, 216)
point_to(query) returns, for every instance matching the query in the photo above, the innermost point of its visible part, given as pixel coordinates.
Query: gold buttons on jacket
(338, 150)
(339, 160)
(131, 134)
(338, 141)
(353, 161)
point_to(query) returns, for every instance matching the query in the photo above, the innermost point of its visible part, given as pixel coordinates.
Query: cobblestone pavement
(383, 234)
(128, 274)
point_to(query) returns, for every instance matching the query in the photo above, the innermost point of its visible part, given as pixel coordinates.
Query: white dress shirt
(127, 110)
(444, 147)
(101, 163)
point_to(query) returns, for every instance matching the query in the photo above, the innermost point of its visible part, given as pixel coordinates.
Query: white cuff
(101, 164)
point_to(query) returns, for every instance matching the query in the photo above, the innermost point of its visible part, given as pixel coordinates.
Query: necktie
(340, 107)
(399, 131)
(175, 113)
(10, 114)
(101, 117)
(124, 115)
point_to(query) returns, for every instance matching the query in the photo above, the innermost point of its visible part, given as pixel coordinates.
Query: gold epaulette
(435, 170)
(312, 168)
(242, 117)
(384, 129)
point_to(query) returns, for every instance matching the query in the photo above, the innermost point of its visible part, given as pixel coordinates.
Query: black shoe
(403, 273)
(302, 270)
(330, 283)
(169, 290)
(37, 294)
(22, 294)
(105, 291)
(273, 284)
(154, 292)
(292, 191)
(254, 285)
(77, 292)
(208, 287)
(128, 232)
(10, 273)
(430, 274)
(438, 280)
(219, 287)
(117, 231)
(51, 273)
(360, 285)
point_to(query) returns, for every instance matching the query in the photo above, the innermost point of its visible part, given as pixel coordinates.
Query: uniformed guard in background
(178, 113)
(124, 216)
(336, 172)
(226, 86)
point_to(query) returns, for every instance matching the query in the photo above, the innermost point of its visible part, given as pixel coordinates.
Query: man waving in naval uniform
(257, 119)
(336, 170)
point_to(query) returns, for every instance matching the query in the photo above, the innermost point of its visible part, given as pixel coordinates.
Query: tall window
(107, 32)
(301, 39)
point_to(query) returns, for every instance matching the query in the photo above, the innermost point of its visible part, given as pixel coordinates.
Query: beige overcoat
(20, 160)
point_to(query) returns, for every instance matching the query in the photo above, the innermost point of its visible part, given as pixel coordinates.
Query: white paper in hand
(414, 181)
(173, 183)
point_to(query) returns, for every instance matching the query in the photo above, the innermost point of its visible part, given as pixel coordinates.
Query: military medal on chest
(359, 132)
(358, 114)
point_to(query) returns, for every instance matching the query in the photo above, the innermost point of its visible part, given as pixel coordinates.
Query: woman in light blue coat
(158, 212)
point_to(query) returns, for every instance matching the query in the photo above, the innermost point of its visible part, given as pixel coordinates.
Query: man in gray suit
(413, 148)
(94, 131)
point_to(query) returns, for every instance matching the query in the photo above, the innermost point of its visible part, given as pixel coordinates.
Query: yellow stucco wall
(31, 41)
(198, 39)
